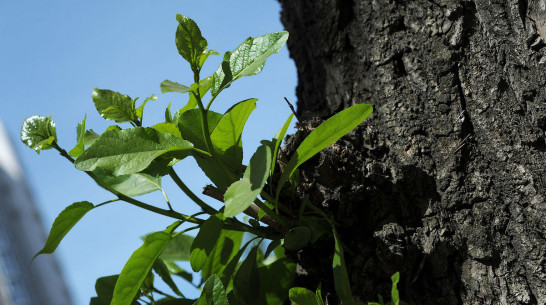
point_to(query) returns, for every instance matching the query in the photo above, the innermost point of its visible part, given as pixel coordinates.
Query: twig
(291, 108)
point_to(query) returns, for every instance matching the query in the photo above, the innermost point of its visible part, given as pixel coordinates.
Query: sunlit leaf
(213, 292)
(138, 266)
(129, 151)
(325, 135)
(63, 224)
(114, 106)
(242, 193)
(130, 185)
(302, 296)
(247, 59)
(277, 140)
(189, 41)
(80, 132)
(226, 136)
(170, 86)
(341, 278)
(38, 132)
(140, 110)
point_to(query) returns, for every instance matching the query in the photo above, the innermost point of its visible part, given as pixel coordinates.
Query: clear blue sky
(52, 55)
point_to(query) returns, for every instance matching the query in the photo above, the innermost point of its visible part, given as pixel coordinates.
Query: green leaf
(204, 56)
(302, 296)
(204, 86)
(242, 193)
(175, 302)
(129, 151)
(271, 247)
(178, 248)
(276, 291)
(114, 106)
(163, 271)
(63, 224)
(247, 59)
(224, 250)
(341, 278)
(130, 185)
(226, 274)
(189, 124)
(277, 140)
(297, 238)
(170, 86)
(38, 132)
(318, 295)
(170, 128)
(204, 242)
(226, 136)
(191, 45)
(176, 270)
(140, 110)
(104, 287)
(138, 266)
(246, 283)
(89, 137)
(80, 131)
(213, 293)
(395, 297)
(325, 135)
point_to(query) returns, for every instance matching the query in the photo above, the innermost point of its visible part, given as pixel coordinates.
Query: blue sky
(52, 55)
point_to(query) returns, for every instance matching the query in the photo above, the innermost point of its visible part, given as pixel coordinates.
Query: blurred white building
(21, 236)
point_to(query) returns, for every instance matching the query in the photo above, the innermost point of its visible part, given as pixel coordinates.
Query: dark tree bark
(446, 181)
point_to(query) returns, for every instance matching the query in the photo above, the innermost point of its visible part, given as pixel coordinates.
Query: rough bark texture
(446, 181)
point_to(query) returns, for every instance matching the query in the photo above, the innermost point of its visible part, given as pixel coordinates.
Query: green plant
(132, 161)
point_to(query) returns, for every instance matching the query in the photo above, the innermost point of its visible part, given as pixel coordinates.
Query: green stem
(272, 214)
(207, 208)
(130, 200)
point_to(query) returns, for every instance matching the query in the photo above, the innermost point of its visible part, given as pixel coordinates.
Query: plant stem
(207, 208)
(140, 204)
(271, 213)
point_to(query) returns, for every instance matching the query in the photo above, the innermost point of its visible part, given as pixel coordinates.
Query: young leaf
(38, 132)
(247, 59)
(242, 193)
(302, 296)
(341, 278)
(246, 283)
(89, 137)
(140, 110)
(170, 128)
(163, 271)
(170, 86)
(204, 242)
(63, 224)
(114, 106)
(277, 140)
(178, 248)
(395, 297)
(204, 86)
(226, 136)
(325, 135)
(189, 41)
(213, 293)
(138, 266)
(129, 151)
(130, 185)
(80, 131)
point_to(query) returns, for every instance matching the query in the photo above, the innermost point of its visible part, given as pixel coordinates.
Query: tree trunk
(446, 180)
